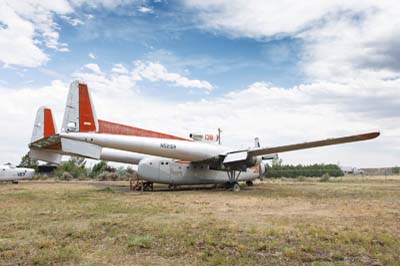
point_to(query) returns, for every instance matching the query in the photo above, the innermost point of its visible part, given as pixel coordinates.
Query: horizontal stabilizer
(80, 148)
(313, 144)
(45, 155)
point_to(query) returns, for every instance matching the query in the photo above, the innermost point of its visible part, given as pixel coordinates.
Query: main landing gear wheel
(148, 186)
(172, 187)
(233, 177)
(235, 187)
(249, 183)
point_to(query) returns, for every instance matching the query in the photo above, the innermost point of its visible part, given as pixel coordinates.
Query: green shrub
(74, 168)
(98, 169)
(325, 178)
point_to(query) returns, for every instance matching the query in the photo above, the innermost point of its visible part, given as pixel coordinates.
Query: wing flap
(313, 144)
(235, 157)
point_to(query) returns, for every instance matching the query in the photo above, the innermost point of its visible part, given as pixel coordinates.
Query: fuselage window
(166, 163)
(151, 163)
(162, 163)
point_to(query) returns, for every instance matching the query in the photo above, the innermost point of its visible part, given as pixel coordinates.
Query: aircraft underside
(169, 171)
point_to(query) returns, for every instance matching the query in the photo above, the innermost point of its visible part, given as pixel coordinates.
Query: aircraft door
(165, 171)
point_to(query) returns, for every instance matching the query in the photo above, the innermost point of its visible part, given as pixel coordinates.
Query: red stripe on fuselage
(183, 162)
(119, 129)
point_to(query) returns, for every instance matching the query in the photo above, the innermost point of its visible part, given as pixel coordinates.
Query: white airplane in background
(9, 172)
(166, 158)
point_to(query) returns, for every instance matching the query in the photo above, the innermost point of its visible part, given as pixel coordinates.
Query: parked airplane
(9, 172)
(173, 160)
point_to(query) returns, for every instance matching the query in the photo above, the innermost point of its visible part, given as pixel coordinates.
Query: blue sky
(166, 35)
(254, 68)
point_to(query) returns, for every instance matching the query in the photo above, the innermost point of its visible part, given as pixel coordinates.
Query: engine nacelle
(263, 167)
(254, 160)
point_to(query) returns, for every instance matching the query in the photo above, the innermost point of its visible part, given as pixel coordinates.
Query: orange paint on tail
(49, 128)
(86, 119)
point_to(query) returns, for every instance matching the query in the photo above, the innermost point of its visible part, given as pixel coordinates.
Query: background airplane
(9, 172)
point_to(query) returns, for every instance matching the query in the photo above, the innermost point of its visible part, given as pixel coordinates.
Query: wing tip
(371, 135)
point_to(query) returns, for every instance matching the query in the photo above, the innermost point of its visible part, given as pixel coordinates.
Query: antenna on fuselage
(219, 136)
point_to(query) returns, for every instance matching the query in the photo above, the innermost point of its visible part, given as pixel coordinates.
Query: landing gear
(235, 187)
(148, 186)
(233, 184)
(249, 183)
(172, 187)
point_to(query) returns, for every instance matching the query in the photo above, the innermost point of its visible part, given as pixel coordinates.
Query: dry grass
(353, 221)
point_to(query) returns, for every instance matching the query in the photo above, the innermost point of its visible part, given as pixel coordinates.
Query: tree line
(278, 169)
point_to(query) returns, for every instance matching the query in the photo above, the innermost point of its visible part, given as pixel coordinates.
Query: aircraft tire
(249, 183)
(235, 187)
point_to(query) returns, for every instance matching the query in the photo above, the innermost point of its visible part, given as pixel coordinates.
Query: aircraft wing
(313, 144)
(243, 158)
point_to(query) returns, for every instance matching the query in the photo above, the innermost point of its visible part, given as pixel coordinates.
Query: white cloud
(154, 71)
(28, 26)
(142, 70)
(119, 68)
(145, 9)
(342, 39)
(93, 67)
(17, 113)
(92, 56)
(72, 21)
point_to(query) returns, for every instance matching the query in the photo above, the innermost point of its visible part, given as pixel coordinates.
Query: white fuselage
(185, 150)
(8, 173)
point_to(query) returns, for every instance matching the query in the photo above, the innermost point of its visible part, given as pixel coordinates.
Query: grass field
(352, 221)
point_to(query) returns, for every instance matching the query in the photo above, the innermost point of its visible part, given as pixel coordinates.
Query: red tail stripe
(49, 128)
(119, 129)
(86, 119)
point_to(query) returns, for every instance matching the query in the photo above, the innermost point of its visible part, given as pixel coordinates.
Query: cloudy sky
(285, 71)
